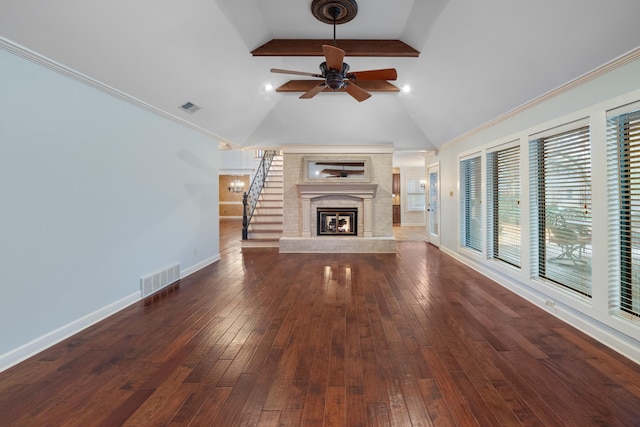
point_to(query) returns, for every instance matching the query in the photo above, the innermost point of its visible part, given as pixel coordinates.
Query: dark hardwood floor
(268, 339)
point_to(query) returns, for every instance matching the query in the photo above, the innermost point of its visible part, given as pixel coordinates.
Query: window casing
(623, 136)
(503, 205)
(561, 207)
(471, 203)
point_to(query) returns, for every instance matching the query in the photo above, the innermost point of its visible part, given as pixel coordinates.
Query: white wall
(592, 99)
(96, 192)
(238, 162)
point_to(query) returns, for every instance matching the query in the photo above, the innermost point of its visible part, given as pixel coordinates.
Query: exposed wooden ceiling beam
(368, 85)
(313, 47)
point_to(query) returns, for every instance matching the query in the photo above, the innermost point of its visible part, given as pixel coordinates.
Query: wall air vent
(189, 107)
(152, 283)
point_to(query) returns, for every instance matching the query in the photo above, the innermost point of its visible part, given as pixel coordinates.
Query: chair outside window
(567, 230)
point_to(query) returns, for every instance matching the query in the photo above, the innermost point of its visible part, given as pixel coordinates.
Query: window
(623, 134)
(471, 204)
(415, 194)
(503, 197)
(561, 203)
(434, 203)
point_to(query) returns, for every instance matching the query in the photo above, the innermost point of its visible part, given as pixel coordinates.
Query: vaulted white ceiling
(478, 60)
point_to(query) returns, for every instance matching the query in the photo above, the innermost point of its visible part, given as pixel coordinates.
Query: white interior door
(433, 204)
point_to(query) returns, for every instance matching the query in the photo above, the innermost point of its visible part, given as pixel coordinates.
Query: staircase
(265, 228)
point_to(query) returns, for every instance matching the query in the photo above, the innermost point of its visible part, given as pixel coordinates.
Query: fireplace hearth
(337, 221)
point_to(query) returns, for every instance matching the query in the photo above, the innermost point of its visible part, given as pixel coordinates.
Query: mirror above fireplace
(336, 169)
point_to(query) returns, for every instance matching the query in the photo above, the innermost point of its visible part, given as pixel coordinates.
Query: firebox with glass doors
(337, 222)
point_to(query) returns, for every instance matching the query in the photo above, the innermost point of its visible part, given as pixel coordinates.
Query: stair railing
(250, 197)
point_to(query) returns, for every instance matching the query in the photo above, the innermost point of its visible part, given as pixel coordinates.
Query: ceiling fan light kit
(334, 71)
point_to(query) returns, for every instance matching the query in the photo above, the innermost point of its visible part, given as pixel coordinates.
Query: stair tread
(269, 209)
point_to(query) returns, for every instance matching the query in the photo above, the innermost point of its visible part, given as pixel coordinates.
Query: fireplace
(365, 192)
(337, 221)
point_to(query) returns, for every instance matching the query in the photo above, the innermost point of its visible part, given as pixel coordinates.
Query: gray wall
(96, 193)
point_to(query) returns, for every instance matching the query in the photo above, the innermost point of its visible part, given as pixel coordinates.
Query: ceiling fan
(334, 71)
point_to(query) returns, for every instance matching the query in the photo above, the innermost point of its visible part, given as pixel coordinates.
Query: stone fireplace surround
(371, 195)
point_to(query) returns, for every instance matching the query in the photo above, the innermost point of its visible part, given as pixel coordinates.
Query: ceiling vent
(189, 107)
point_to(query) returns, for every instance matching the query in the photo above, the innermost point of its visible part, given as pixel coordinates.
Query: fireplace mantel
(364, 191)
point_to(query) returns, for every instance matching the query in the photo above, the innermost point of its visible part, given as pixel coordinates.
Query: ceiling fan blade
(313, 91)
(334, 56)
(298, 73)
(357, 92)
(384, 74)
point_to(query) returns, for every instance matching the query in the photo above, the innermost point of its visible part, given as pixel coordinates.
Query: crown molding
(579, 81)
(57, 67)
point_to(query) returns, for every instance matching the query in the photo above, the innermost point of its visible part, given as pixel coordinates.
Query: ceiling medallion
(340, 10)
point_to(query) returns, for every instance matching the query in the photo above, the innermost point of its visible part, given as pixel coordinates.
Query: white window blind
(561, 204)
(471, 204)
(503, 207)
(623, 134)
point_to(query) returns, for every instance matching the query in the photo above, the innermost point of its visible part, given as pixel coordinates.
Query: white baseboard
(199, 266)
(39, 344)
(605, 334)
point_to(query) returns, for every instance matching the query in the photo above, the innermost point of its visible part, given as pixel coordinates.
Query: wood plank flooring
(268, 339)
